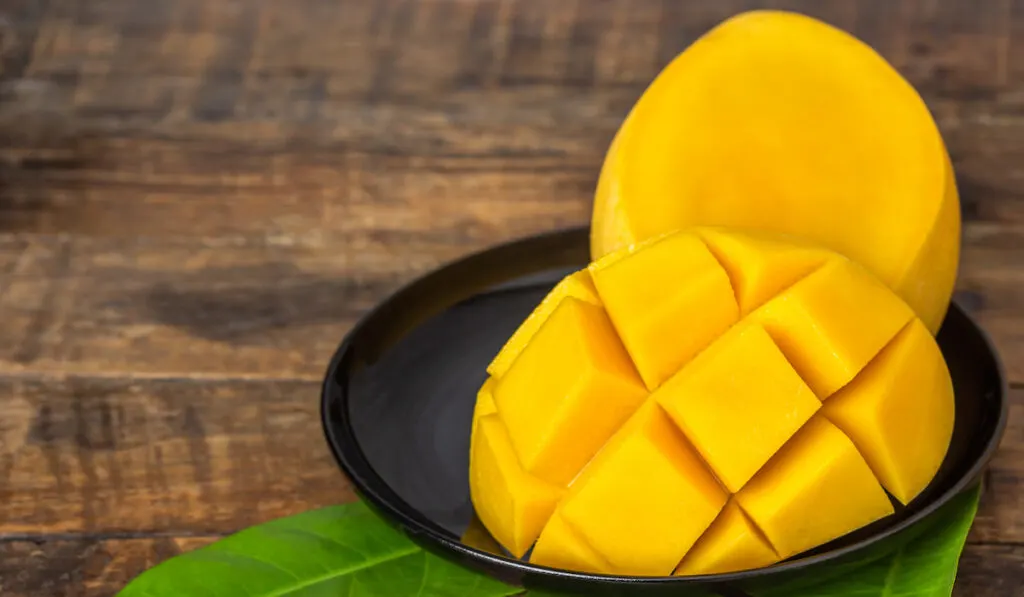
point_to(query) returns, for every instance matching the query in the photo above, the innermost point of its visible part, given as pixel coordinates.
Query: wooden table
(199, 197)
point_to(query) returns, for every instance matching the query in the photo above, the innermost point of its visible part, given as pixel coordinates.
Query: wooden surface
(198, 197)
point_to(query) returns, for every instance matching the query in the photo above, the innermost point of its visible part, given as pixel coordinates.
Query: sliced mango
(512, 504)
(899, 412)
(831, 323)
(710, 400)
(730, 544)
(817, 488)
(484, 404)
(761, 266)
(667, 301)
(646, 498)
(561, 546)
(577, 285)
(776, 121)
(570, 388)
(780, 377)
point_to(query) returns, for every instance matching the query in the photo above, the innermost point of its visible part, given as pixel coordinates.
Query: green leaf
(337, 551)
(348, 551)
(920, 562)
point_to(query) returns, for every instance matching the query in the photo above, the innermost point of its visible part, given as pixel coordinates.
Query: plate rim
(344, 447)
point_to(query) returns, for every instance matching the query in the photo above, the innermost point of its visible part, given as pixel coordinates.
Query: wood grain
(83, 567)
(380, 142)
(160, 456)
(1001, 512)
(199, 197)
(276, 309)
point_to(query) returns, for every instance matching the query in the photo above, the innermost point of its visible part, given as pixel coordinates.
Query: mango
(561, 546)
(818, 488)
(733, 542)
(512, 505)
(710, 402)
(889, 413)
(705, 401)
(551, 418)
(778, 122)
(635, 487)
(577, 285)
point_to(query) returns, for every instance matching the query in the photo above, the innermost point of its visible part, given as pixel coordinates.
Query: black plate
(399, 394)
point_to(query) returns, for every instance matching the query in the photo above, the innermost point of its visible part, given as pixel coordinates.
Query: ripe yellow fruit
(706, 401)
(775, 121)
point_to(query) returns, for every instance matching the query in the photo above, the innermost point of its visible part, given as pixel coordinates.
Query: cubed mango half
(727, 400)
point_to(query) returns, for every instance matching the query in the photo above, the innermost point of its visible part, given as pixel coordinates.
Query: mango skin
(776, 435)
(776, 121)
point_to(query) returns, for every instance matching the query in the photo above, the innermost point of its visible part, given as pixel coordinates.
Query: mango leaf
(920, 563)
(340, 550)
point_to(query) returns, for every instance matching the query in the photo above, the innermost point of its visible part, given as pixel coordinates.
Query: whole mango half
(706, 401)
(776, 121)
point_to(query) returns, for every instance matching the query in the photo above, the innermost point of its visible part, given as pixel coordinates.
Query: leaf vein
(369, 563)
(423, 577)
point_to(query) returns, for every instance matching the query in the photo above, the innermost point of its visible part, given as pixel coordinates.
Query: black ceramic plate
(399, 394)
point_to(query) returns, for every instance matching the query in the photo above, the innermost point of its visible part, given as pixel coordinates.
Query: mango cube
(831, 323)
(817, 488)
(710, 400)
(899, 412)
(628, 504)
(732, 543)
(514, 506)
(723, 401)
(570, 388)
(577, 285)
(561, 546)
(668, 301)
(761, 266)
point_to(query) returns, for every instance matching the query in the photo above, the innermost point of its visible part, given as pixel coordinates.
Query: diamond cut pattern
(753, 377)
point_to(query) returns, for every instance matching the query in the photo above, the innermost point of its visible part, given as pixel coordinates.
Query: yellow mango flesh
(513, 505)
(810, 323)
(484, 405)
(678, 320)
(557, 421)
(710, 401)
(817, 488)
(642, 528)
(899, 412)
(760, 267)
(778, 122)
(561, 546)
(732, 543)
(577, 285)
(787, 402)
